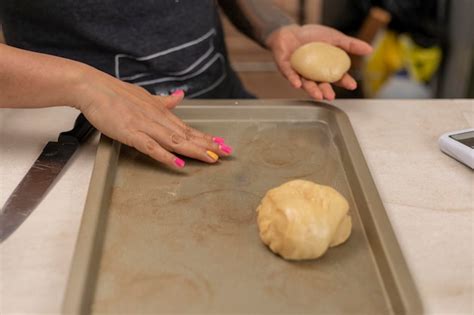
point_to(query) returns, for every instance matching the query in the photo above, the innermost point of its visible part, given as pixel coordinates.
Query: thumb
(172, 100)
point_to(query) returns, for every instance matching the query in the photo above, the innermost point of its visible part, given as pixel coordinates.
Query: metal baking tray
(156, 240)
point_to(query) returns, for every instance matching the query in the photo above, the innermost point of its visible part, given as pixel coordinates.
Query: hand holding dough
(320, 62)
(301, 219)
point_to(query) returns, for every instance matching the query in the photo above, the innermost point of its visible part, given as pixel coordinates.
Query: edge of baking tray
(82, 274)
(392, 263)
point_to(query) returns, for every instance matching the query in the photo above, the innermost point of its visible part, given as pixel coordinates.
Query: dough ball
(301, 219)
(320, 62)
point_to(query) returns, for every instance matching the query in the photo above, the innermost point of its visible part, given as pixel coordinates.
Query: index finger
(201, 138)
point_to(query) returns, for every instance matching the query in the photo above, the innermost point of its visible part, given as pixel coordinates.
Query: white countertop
(428, 196)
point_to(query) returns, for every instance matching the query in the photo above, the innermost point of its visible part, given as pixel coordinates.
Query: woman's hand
(122, 111)
(285, 40)
(133, 116)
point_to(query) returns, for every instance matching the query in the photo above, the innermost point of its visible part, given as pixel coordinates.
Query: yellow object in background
(420, 62)
(384, 61)
(395, 52)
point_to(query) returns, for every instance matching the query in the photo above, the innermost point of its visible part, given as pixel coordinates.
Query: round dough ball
(301, 219)
(320, 62)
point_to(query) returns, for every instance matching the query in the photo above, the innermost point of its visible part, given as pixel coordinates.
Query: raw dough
(301, 219)
(320, 62)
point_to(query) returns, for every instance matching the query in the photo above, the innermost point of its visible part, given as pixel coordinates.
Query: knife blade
(41, 176)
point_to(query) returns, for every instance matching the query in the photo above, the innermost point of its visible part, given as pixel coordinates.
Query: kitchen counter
(428, 196)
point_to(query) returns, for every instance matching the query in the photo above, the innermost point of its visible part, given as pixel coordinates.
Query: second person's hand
(285, 40)
(131, 115)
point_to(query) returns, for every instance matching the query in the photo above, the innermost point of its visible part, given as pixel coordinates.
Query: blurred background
(423, 48)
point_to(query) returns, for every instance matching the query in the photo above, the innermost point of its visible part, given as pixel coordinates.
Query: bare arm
(263, 21)
(29, 79)
(122, 111)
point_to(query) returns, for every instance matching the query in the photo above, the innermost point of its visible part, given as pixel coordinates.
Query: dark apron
(160, 45)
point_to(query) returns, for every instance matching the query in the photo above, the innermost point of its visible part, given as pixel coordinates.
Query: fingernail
(177, 93)
(179, 163)
(213, 156)
(218, 140)
(225, 148)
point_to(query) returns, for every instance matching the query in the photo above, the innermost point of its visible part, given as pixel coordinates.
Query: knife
(40, 177)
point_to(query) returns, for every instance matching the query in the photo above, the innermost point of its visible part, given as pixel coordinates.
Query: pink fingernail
(179, 163)
(177, 93)
(218, 140)
(225, 148)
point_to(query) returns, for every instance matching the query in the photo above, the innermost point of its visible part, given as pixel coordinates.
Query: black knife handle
(79, 133)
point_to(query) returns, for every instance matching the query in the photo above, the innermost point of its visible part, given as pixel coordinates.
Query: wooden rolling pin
(376, 20)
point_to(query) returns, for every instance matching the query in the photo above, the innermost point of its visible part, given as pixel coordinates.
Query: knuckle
(188, 132)
(142, 144)
(149, 146)
(176, 139)
(209, 139)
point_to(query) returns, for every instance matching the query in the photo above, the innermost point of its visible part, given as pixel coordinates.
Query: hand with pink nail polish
(122, 111)
(223, 147)
(131, 115)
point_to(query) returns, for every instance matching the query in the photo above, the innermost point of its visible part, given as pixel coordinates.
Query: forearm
(29, 80)
(255, 18)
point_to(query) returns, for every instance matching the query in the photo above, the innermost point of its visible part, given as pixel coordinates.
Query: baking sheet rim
(82, 273)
